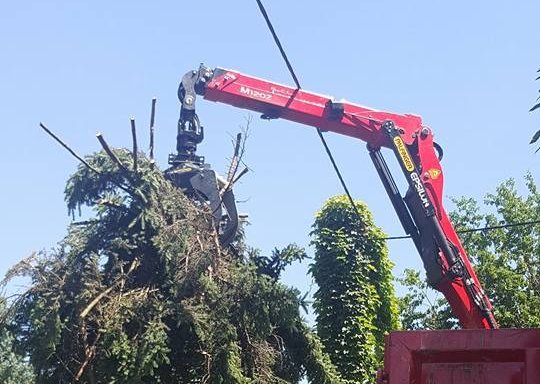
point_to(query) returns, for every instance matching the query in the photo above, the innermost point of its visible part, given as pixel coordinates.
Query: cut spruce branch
(134, 264)
(152, 117)
(50, 133)
(134, 137)
(111, 154)
(117, 161)
(83, 223)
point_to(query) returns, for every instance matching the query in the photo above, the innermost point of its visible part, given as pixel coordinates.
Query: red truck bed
(500, 356)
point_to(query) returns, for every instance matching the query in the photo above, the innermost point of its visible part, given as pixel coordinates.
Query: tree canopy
(506, 259)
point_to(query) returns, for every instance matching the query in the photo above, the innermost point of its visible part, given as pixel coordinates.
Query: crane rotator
(189, 171)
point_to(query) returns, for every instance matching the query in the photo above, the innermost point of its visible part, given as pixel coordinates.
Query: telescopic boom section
(420, 211)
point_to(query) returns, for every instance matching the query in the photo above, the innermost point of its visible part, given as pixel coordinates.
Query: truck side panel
(499, 356)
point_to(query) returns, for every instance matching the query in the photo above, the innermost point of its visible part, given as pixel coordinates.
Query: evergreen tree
(142, 292)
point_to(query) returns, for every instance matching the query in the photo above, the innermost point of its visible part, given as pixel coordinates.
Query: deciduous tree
(506, 259)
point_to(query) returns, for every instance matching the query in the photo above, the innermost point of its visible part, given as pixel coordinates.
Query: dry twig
(236, 160)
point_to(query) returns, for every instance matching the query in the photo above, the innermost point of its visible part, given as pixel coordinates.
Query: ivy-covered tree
(355, 303)
(142, 292)
(506, 260)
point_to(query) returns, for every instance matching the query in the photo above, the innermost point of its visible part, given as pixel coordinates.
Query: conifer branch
(63, 144)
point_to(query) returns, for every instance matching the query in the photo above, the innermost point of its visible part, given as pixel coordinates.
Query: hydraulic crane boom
(420, 211)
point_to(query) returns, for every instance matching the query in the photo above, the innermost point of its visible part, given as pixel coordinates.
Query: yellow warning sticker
(404, 154)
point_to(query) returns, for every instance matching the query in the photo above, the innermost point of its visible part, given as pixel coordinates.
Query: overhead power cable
(278, 43)
(480, 229)
(331, 157)
(295, 78)
(509, 225)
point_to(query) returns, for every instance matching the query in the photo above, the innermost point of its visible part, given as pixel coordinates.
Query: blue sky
(467, 68)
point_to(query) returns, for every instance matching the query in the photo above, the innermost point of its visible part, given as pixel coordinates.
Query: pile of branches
(142, 292)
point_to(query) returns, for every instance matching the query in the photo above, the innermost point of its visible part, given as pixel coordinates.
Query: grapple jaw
(204, 187)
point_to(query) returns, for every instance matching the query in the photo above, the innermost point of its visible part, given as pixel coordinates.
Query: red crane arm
(421, 210)
(275, 100)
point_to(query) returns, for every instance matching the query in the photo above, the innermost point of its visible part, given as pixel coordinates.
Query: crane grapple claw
(202, 186)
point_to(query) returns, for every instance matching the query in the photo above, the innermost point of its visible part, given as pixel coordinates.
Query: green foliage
(143, 293)
(13, 368)
(420, 308)
(355, 303)
(506, 260)
(275, 264)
